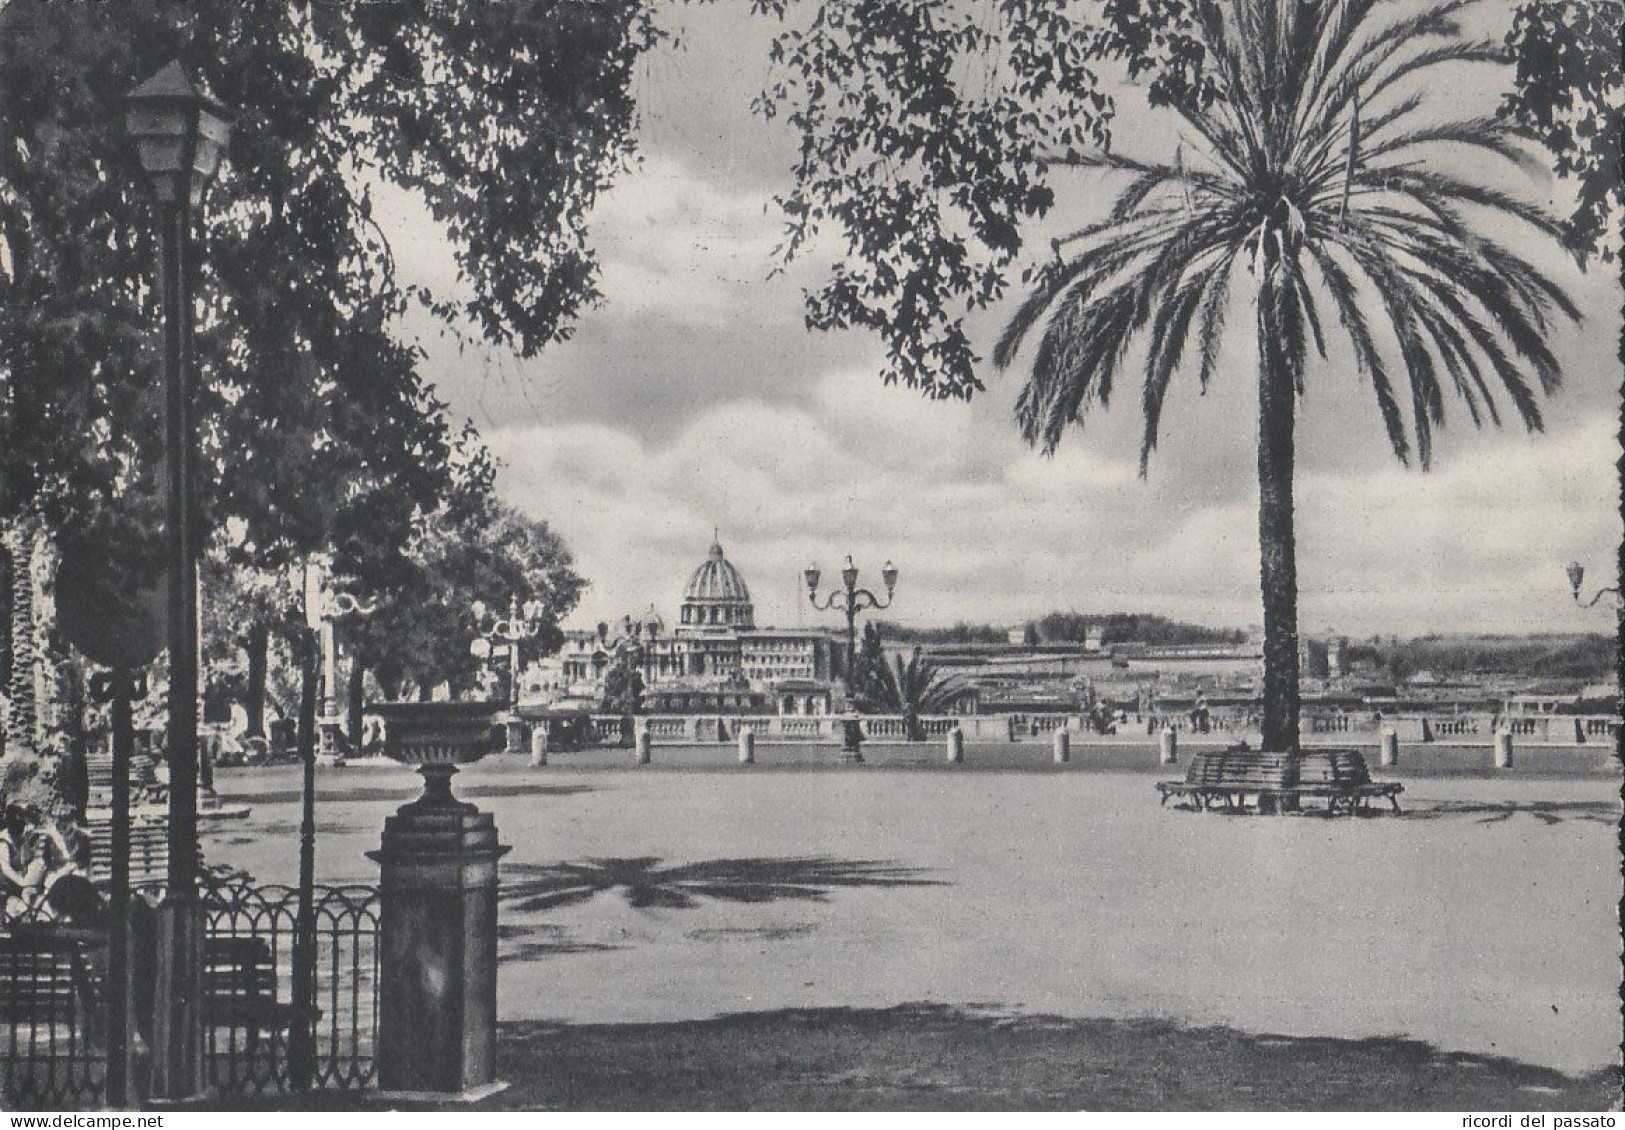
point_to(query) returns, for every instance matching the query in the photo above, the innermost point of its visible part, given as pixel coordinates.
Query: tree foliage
(1570, 95)
(623, 687)
(869, 666)
(927, 137)
(419, 635)
(503, 120)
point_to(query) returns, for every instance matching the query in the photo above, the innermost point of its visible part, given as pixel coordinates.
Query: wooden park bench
(49, 977)
(239, 988)
(1277, 782)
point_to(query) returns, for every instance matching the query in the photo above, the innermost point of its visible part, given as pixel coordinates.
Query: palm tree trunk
(1278, 564)
(21, 716)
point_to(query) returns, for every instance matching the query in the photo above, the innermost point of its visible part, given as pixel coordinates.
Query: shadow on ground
(524, 942)
(408, 789)
(936, 1057)
(649, 886)
(1494, 812)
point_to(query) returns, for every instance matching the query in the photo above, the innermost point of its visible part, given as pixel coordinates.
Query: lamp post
(1577, 575)
(523, 622)
(325, 610)
(851, 600)
(179, 135)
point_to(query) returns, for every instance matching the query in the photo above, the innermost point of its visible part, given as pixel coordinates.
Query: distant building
(714, 659)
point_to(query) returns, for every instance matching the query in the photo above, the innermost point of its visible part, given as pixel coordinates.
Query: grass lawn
(909, 935)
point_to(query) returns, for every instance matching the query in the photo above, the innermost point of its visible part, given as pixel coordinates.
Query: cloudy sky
(694, 398)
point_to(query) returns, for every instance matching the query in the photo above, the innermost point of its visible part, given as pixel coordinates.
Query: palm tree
(19, 539)
(1313, 189)
(912, 689)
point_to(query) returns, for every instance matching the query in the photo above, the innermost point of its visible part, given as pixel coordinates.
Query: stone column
(1503, 749)
(538, 744)
(747, 746)
(956, 746)
(643, 745)
(1063, 746)
(1168, 746)
(437, 996)
(1388, 747)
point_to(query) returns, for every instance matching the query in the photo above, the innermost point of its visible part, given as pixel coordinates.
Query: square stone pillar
(437, 995)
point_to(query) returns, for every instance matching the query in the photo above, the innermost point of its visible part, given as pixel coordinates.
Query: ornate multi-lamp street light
(1577, 575)
(851, 600)
(325, 609)
(523, 622)
(180, 135)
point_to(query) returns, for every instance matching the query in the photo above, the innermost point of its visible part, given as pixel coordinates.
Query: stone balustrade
(1351, 726)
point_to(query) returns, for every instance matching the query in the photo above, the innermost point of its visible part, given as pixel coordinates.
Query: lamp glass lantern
(180, 134)
(811, 574)
(889, 576)
(1577, 576)
(849, 573)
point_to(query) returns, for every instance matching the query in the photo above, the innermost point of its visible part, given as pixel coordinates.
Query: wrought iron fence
(259, 1037)
(52, 1038)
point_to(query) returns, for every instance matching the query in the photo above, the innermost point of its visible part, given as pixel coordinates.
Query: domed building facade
(714, 658)
(717, 597)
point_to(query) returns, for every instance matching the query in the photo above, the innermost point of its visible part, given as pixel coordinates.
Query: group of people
(42, 875)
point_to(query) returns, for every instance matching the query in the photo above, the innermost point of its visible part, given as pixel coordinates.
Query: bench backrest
(1252, 770)
(1241, 770)
(45, 971)
(238, 969)
(1333, 767)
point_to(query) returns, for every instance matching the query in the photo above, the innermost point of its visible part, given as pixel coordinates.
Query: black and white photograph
(811, 556)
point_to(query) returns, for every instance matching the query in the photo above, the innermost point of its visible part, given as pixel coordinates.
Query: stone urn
(436, 737)
(438, 922)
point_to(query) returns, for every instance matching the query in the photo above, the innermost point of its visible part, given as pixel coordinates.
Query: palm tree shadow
(649, 886)
(1548, 812)
(531, 941)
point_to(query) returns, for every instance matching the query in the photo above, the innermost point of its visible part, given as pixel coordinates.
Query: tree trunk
(1278, 565)
(259, 668)
(6, 574)
(390, 681)
(21, 718)
(354, 700)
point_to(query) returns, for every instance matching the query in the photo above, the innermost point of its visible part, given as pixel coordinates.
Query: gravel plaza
(1004, 911)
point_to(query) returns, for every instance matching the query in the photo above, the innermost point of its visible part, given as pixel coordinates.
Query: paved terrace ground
(1011, 933)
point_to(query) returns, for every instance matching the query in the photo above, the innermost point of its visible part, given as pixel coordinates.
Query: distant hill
(959, 633)
(1555, 657)
(1071, 627)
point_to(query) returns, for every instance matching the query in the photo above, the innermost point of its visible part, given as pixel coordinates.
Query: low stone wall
(1357, 729)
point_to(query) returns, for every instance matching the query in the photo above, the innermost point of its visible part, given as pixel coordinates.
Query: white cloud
(678, 245)
(985, 530)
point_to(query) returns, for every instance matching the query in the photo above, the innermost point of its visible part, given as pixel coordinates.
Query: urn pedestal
(438, 923)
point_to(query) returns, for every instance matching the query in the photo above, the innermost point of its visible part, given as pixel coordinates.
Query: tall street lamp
(324, 608)
(851, 600)
(179, 134)
(1577, 575)
(522, 623)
